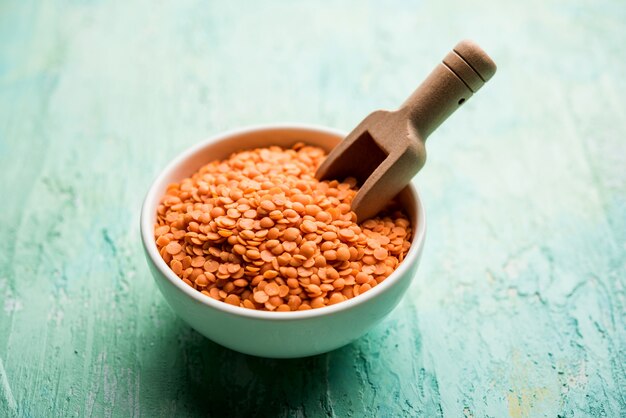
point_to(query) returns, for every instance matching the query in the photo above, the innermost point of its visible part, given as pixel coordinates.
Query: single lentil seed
(261, 297)
(343, 253)
(173, 248)
(232, 299)
(336, 298)
(177, 267)
(271, 289)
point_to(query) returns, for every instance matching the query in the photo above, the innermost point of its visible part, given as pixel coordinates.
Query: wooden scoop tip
(477, 58)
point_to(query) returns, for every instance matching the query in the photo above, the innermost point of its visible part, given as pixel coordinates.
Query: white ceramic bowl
(274, 334)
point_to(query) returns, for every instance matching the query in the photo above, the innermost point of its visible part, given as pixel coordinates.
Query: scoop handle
(461, 73)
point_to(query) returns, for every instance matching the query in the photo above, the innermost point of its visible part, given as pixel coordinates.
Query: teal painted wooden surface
(518, 308)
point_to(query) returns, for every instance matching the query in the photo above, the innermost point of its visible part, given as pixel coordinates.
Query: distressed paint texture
(518, 308)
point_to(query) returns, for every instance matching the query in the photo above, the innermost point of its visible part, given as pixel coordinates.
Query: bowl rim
(149, 243)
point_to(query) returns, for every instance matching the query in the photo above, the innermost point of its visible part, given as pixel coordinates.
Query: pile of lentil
(258, 230)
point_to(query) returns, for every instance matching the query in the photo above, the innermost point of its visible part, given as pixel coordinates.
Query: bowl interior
(220, 147)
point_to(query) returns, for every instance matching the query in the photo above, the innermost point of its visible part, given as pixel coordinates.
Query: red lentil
(259, 231)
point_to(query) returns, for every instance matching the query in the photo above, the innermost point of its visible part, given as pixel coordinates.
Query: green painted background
(518, 307)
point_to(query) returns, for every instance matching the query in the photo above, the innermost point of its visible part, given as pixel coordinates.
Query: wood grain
(518, 308)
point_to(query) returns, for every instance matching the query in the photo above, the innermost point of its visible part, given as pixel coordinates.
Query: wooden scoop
(386, 149)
